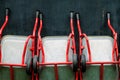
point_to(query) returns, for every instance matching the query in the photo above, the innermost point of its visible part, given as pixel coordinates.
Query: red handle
(5, 22)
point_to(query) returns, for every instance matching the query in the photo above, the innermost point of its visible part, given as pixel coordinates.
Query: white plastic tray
(55, 48)
(101, 48)
(12, 49)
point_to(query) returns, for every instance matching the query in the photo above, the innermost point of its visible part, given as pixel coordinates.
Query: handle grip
(41, 16)
(108, 15)
(71, 15)
(77, 16)
(7, 11)
(37, 13)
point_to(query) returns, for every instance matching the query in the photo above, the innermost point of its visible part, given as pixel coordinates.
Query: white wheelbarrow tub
(101, 51)
(55, 51)
(12, 50)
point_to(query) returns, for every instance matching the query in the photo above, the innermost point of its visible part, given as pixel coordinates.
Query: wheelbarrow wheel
(118, 59)
(75, 62)
(35, 60)
(29, 66)
(83, 63)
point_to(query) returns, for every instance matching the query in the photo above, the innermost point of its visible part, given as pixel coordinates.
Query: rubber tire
(29, 66)
(35, 60)
(83, 63)
(118, 59)
(75, 62)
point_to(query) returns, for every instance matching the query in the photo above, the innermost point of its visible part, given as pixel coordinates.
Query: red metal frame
(3, 26)
(1, 30)
(81, 47)
(40, 48)
(24, 50)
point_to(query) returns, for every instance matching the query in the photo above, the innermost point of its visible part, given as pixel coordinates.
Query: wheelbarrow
(56, 57)
(98, 55)
(16, 55)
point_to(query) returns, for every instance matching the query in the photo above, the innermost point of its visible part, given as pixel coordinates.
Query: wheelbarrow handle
(37, 13)
(7, 11)
(77, 16)
(41, 16)
(71, 14)
(108, 15)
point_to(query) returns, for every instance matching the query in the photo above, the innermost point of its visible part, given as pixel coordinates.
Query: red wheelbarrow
(16, 54)
(56, 57)
(98, 55)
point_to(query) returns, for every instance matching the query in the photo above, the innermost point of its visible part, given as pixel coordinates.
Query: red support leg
(56, 72)
(76, 76)
(101, 71)
(81, 76)
(11, 73)
(33, 75)
(37, 78)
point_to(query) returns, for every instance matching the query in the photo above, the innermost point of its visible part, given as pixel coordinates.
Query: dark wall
(56, 15)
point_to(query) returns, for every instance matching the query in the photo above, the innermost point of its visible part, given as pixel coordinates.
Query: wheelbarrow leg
(101, 71)
(76, 76)
(37, 78)
(81, 76)
(32, 75)
(11, 73)
(56, 72)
